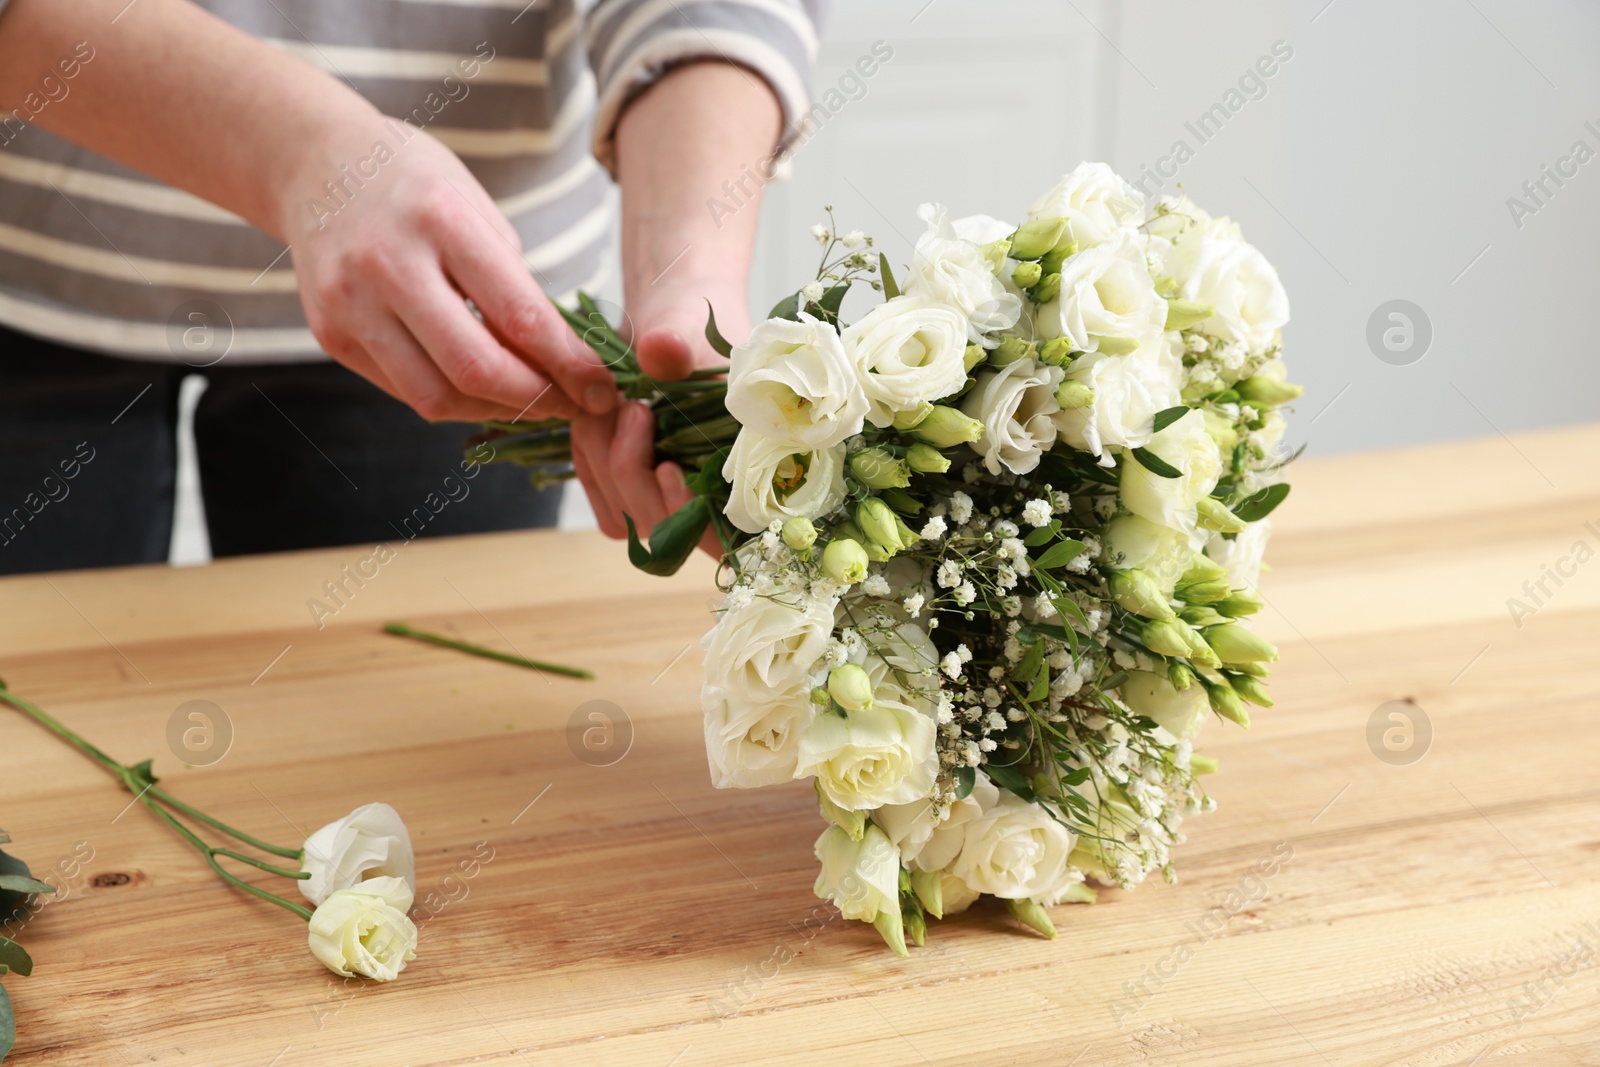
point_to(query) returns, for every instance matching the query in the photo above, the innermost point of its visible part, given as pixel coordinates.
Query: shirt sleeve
(631, 43)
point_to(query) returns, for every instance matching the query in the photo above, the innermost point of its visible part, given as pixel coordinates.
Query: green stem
(400, 629)
(40, 716)
(262, 864)
(195, 813)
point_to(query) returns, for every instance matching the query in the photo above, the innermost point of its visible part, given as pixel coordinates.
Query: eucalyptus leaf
(1010, 778)
(672, 541)
(21, 883)
(1059, 554)
(1042, 534)
(832, 299)
(714, 335)
(1155, 464)
(14, 957)
(1169, 416)
(966, 778)
(1257, 507)
(14, 902)
(787, 308)
(8, 1024)
(1077, 777)
(891, 289)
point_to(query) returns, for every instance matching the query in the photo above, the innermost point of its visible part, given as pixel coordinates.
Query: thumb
(664, 351)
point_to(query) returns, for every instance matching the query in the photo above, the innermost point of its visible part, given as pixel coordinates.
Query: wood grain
(1420, 914)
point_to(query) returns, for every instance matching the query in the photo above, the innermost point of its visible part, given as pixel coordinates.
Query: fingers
(385, 346)
(591, 457)
(615, 459)
(664, 354)
(492, 273)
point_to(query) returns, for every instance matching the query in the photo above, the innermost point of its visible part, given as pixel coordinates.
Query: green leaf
(8, 1024)
(890, 288)
(787, 308)
(714, 335)
(966, 778)
(21, 883)
(14, 957)
(144, 773)
(1031, 661)
(1042, 534)
(1010, 778)
(14, 902)
(1077, 777)
(1155, 464)
(673, 539)
(1028, 636)
(1041, 683)
(1169, 416)
(1259, 506)
(832, 299)
(1059, 554)
(707, 479)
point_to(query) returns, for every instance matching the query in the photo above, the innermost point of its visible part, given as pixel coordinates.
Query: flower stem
(400, 629)
(195, 813)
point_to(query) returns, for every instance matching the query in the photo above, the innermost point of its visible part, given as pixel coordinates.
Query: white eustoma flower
(791, 381)
(1105, 292)
(775, 480)
(1213, 265)
(1241, 556)
(1160, 551)
(861, 878)
(1186, 445)
(1015, 404)
(1014, 850)
(751, 744)
(767, 647)
(1128, 392)
(908, 350)
(955, 271)
(1095, 201)
(1181, 712)
(881, 755)
(370, 842)
(982, 229)
(925, 840)
(364, 930)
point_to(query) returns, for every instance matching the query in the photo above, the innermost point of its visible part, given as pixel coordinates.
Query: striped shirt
(97, 256)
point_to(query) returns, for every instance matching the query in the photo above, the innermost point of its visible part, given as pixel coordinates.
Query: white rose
(1095, 201)
(773, 479)
(364, 930)
(907, 350)
(752, 744)
(767, 647)
(792, 382)
(1105, 292)
(370, 842)
(1186, 445)
(1015, 405)
(982, 229)
(1213, 265)
(1160, 551)
(1241, 556)
(880, 755)
(1179, 711)
(1014, 850)
(862, 878)
(1128, 392)
(927, 842)
(954, 271)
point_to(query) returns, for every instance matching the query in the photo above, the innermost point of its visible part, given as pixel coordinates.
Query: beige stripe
(113, 264)
(642, 16)
(108, 189)
(350, 61)
(499, 144)
(548, 192)
(569, 242)
(147, 339)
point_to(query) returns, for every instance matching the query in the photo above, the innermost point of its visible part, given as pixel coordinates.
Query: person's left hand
(615, 452)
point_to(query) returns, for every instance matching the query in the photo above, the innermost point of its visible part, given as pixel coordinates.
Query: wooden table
(1424, 911)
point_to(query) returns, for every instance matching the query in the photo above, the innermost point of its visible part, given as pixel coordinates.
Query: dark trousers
(293, 456)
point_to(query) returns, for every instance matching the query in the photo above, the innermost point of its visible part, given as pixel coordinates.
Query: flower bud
(1236, 644)
(845, 560)
(1225, 702)
(1057, 351)
(1115, 346)
(1072, 395)
(1267, 392)
(879, 524)
(1221, 429)
(1010, 350)
(1036, 237)
(996, 252)
(946, 427)
(1026, 275)
(853, 823)
(1048, 289)
(929, 888)
(905, 420)
(1202, 764)
(906, 504)
(908, 536)
(878, 468)
(1250, 689)
(799, 533)
(1136, 591)
(1202, 615)
(1213, 514)
(1031, 914)
(850, 687)
(1180, 676)
(1239, 602)
(974, 355)
(1167, 636)
(1182, 314)
(925, 459)
(1204, 582)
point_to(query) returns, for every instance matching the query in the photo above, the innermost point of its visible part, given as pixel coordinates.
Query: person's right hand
(385, 280)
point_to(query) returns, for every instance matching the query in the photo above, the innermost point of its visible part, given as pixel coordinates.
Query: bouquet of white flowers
(991, 547)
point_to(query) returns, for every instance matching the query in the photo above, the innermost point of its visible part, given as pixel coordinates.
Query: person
(240, 189)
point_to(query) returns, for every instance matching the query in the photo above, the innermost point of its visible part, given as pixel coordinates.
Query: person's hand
(615, 452)
(385, 280)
